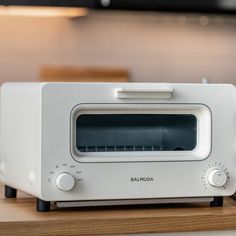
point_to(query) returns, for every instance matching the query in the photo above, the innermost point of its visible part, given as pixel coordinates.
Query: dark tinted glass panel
(135, 132)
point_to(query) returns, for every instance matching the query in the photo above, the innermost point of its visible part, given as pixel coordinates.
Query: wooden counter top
(18, 217)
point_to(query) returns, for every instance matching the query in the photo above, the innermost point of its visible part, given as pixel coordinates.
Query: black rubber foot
(43, 206)
(217, 202)
(10, 192)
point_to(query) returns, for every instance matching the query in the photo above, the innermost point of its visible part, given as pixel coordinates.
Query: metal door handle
(161, 93)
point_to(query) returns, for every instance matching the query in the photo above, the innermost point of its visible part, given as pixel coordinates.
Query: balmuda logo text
(141, 179)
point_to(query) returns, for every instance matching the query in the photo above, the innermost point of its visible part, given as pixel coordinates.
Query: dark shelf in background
(58, 3)
(211, 6)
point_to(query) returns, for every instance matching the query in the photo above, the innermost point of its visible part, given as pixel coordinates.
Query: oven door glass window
(135, 132)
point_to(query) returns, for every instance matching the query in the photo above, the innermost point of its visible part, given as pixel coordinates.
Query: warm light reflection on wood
(42, 11)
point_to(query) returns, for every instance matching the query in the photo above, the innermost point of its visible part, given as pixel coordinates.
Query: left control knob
(65, 181)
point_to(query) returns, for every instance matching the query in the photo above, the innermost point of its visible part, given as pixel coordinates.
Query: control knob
(217, 178)
(65, 181)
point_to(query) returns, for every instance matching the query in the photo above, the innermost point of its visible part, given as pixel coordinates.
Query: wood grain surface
(18, 217)
(83, 74)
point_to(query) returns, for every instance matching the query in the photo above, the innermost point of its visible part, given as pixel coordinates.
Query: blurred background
(137, 41)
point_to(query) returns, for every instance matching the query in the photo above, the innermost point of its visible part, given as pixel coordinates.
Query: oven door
(140, 132)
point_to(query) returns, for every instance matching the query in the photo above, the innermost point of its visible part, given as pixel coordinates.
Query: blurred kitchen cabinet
(50, 73)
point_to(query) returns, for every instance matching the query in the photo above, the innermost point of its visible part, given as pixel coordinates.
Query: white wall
(154, 46)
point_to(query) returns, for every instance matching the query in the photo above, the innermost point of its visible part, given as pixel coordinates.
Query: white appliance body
(118, 141)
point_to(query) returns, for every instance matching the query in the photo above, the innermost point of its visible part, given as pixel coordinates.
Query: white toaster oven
(89, 144)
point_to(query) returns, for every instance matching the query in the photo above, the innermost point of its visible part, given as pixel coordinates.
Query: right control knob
(217, 178)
